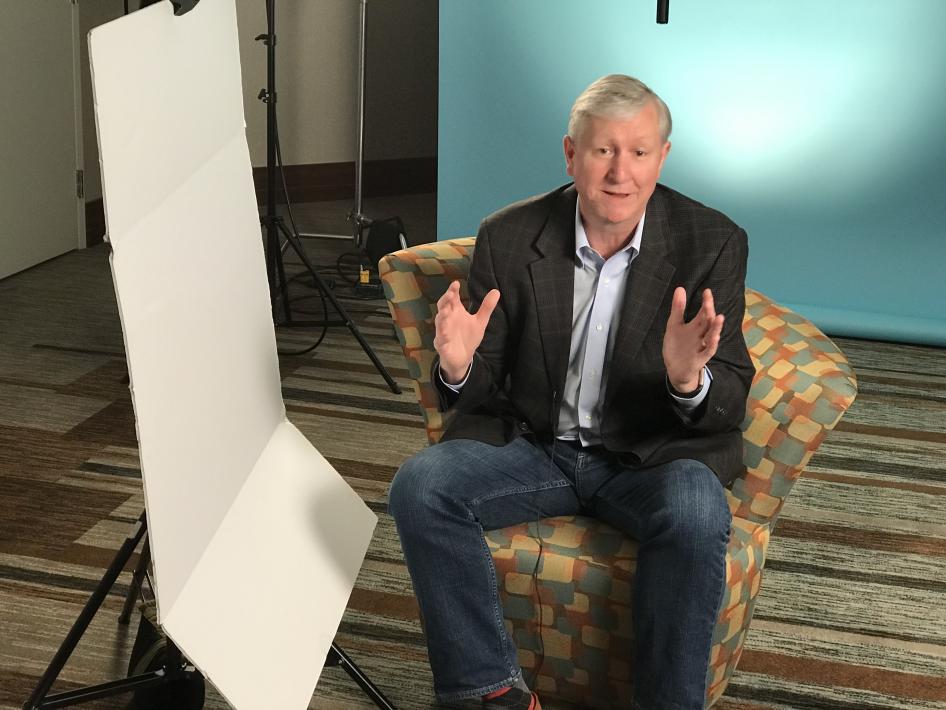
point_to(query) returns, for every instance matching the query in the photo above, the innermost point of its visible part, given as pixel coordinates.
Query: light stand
(175, 675)
(359, 221)
(170, 683)
(274, 225)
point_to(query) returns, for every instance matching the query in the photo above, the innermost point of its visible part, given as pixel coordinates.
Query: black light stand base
(273, 225)
(337, 657)
(293, 241)
(173, 672)
(159, 675)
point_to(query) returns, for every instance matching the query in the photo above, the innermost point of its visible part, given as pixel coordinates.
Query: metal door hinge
(80, 183)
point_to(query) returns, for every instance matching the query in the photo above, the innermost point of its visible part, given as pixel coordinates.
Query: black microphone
(663, 12)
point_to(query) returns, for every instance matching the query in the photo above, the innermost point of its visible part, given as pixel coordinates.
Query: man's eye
(640, 153)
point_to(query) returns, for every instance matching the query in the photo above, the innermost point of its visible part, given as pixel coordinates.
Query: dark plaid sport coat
(527, 251)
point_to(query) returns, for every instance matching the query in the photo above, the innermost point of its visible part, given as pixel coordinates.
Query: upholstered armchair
(803, 384)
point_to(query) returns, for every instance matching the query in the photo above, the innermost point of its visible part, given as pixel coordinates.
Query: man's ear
(568, 146)
(663, 154)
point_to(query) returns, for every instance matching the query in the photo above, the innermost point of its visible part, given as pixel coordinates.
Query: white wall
(316, 54)
(92, 13)
(316, 76)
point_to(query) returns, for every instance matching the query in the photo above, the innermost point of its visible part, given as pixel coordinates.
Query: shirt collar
(581, 237)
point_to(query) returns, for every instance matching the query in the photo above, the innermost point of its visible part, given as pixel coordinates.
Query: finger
(716, 331)
(703, 320)
(450, 297)
(677, 306)
(711, 339)
(444, 319)
(487, 307)
(709, 307)
(440, 322)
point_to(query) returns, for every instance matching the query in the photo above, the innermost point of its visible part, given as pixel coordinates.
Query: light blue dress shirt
(596, 313)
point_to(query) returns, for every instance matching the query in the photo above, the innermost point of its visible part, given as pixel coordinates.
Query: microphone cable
(540, 653)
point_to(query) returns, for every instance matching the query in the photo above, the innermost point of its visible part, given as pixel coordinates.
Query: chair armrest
(802, 387)
(414, 279)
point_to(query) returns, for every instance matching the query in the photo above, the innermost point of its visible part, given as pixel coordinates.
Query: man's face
(616, 164)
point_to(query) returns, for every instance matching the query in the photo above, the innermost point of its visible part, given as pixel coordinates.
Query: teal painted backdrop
(818, 126)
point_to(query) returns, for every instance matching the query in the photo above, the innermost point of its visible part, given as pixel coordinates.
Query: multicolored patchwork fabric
(414, 280)
(745, 558)
(582, 605)
(803, 385)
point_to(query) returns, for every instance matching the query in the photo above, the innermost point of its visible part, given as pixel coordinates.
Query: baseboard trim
(317, 182)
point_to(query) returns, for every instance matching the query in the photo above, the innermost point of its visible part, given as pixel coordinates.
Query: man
(603, 373)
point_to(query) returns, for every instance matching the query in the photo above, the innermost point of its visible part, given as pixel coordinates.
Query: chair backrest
(414, 279)
(803, 382)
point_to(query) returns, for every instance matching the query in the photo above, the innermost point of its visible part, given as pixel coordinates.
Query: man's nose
(619, 170)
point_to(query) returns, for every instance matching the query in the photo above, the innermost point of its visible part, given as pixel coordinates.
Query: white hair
(617, 96)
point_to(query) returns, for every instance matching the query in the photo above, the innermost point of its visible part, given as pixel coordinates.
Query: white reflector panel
(257, 540)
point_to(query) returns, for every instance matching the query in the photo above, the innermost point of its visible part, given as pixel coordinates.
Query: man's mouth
(610, 193)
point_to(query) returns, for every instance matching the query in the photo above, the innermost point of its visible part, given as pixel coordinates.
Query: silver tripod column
(357, 218)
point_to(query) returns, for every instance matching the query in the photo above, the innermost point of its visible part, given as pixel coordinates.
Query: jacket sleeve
(489, 370)
(725, 405)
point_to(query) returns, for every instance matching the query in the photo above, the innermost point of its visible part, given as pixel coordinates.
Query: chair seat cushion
(586, 577)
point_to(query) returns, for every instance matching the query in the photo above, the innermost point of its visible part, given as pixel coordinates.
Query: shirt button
(587, 417)
(594, 372)
(599, 327)
(607, 281)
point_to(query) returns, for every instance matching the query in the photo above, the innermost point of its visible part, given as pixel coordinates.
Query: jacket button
(523, 426)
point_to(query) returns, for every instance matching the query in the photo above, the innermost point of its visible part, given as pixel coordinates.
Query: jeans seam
(520, 490)
(719, 608)
(479, 692)
(514, 671)
(497, 605)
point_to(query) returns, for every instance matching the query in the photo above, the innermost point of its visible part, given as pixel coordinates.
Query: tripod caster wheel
(150, 654)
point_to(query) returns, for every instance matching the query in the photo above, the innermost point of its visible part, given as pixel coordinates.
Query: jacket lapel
(553, 283)
(648, 279)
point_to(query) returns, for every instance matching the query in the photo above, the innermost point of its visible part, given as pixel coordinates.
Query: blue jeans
(444, 497)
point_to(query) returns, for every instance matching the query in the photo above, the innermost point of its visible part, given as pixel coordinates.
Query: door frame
(81, 241)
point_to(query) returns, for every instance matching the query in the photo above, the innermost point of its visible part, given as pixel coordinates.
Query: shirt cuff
(457, 387)
(689, 404)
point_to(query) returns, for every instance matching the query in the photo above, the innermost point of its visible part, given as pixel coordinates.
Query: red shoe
(513, 699)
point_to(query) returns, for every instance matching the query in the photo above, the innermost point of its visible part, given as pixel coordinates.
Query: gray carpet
(852, 611)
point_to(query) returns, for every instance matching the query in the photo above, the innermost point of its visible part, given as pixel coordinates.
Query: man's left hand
(689, 346)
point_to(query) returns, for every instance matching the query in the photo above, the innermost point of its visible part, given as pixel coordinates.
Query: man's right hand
(459, 333)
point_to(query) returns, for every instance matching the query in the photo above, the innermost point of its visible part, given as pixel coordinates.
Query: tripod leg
(379, 366)
(88, 612)
(337, 657)
(283, 285)
(275, 271)
(135, 585)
